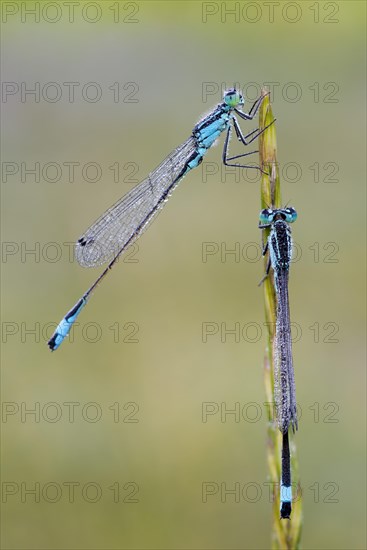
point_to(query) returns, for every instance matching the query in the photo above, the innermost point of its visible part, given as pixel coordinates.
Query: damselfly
(111, 234)
(279, 245)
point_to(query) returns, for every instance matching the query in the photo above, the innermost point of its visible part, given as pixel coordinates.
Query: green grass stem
(286, 534)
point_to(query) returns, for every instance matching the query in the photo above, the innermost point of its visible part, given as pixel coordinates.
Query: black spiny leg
(252, 112)
(226, 159)
(246, 141)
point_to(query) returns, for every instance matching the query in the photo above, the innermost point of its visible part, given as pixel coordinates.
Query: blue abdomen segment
(285, 493)
(63, 328)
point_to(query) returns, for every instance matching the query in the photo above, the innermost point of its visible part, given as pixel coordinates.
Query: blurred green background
(137, 421)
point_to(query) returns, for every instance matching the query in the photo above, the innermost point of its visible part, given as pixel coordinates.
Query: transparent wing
(285, 390)
(124, 222)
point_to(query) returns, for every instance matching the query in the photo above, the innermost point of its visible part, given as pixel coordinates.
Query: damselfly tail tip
(286, 510)
(55, 339)
(52, 343)
(63, 328)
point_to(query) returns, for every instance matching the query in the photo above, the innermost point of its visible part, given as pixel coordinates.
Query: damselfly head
(268, 215)
(233, 98)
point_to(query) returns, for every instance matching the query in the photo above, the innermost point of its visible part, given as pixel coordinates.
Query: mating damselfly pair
(122, 224)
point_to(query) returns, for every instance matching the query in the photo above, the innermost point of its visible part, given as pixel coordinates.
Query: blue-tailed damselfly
(111, 234)
(279, 245)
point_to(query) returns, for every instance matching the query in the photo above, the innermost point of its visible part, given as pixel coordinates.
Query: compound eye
(266, 216)
(290, 214)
